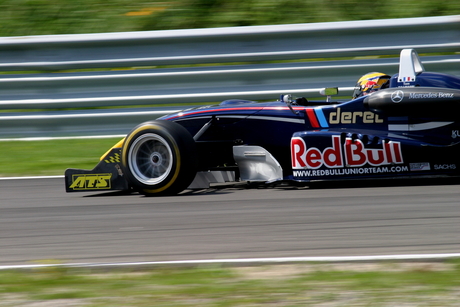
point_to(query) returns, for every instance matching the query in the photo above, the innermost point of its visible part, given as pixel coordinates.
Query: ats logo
(91, 182)
(351, 154)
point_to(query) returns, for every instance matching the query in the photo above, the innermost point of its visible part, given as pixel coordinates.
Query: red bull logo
(350, 154)
(370, 84)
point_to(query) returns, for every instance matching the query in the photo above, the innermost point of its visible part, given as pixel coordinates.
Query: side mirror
(286, 98)
(329, 91)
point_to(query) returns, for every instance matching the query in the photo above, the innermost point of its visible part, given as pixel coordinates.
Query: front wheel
(159, 158)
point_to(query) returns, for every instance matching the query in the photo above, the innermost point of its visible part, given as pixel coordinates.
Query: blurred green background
(40, 17)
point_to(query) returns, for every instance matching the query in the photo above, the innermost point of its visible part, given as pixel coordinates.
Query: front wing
(107, 175)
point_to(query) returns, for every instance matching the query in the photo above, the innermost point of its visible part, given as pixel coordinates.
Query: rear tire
(159, 158)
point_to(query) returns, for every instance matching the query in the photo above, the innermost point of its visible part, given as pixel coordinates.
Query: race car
(405, 125)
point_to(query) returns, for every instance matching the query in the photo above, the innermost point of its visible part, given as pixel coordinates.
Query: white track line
(247, 261)
(32, 177)
(65, 138)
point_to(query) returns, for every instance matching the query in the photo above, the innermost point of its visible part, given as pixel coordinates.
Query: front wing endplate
(107, 175)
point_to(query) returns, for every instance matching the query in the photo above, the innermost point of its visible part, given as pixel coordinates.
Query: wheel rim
(150, 159)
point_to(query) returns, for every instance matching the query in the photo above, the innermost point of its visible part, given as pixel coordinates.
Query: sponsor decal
(120, 172)
(455, 134)
(350, 154)
(113, 159)
(445, 166)
(366, 117)
(91, 181)
(418, 167)
(350, 171)
(397, 96)
(431, 95)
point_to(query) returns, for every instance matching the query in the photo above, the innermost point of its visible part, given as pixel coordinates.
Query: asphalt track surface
(39, 222)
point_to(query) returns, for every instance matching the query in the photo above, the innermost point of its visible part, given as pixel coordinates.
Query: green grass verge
(390, 284)
(39, 17)
(44, 158)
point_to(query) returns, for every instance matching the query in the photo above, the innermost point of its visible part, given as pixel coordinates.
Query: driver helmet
(371, 82)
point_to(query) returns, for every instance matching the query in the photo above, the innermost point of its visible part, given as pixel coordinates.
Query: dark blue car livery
(410, 129)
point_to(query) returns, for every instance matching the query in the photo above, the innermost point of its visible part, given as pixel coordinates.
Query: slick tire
(159, 158)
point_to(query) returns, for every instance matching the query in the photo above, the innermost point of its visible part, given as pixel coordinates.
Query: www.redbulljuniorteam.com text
(351, 158)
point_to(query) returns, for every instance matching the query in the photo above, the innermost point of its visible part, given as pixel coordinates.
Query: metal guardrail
(199, 84)
(236, 44)
(189, 85)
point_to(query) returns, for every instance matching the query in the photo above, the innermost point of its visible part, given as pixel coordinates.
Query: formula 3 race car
(408, 128)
